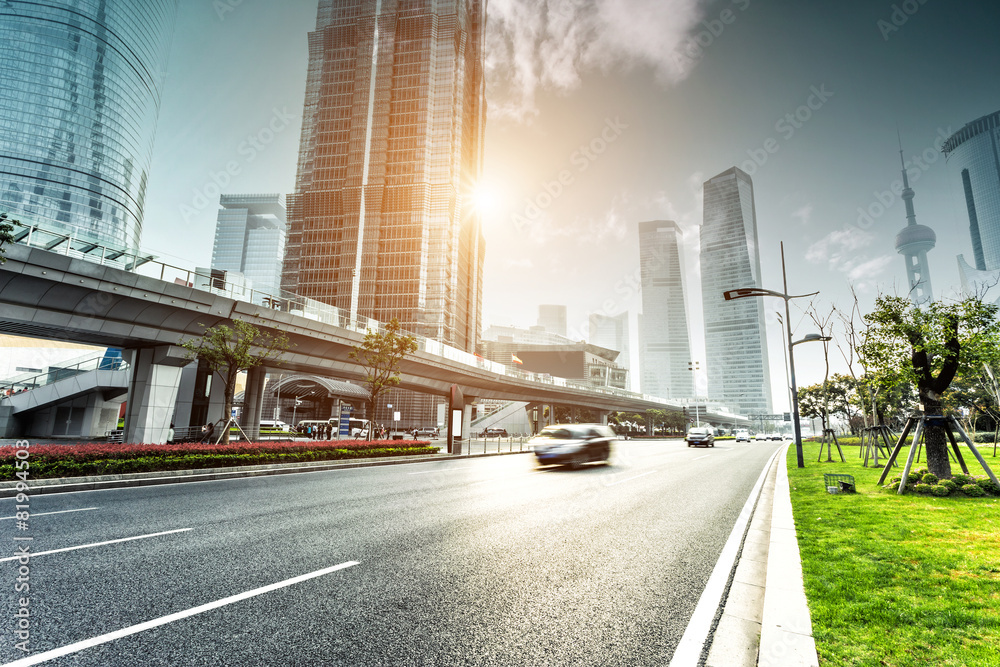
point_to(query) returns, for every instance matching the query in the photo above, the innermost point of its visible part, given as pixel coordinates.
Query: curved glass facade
(79, 95)
(976, 150)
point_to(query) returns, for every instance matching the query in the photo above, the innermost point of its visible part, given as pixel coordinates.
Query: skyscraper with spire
(913, 243)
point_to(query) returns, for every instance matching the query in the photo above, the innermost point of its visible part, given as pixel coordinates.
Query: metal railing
(22, 383)
(147, 265)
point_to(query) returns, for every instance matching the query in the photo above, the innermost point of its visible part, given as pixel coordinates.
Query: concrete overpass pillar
(253, 402)
(152, 392)
(459, 419)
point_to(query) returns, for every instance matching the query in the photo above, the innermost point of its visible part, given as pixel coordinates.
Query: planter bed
(54, 461)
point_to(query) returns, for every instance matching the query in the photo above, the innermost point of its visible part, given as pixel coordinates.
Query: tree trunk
(936, 440)
(228, 409)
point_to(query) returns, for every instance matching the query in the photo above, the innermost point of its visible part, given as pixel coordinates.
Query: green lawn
(895, 580)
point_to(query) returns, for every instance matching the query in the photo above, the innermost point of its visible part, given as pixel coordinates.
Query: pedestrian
(170, 434)
(206, 432)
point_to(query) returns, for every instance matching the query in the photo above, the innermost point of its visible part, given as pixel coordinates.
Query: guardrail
(215, 283)
(54, 374)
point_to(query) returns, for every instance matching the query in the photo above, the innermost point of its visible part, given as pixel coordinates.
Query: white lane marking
(688, 653)
(701, 457)
(629, 479)
(34, 514)
(98, 544)
(170, 618)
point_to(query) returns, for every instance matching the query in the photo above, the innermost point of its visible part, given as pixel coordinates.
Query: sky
(606, 113)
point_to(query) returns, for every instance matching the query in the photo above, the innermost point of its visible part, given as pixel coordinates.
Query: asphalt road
(482, 561)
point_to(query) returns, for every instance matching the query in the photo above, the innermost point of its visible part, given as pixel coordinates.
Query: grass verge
(897, 581)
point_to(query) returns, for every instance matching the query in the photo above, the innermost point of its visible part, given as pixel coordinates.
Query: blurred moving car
(743, 436)
(573, 444)
(700, 436)
(494, 433)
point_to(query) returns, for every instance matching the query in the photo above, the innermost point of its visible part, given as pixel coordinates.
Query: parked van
(274, 425)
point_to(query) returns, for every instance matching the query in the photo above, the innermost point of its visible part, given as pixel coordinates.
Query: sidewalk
(765, 619)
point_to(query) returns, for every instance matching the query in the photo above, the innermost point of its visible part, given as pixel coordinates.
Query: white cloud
(551, 43)
(804, 214)
(522, 263)
(838, 245)
(865, 269)
(843, 251)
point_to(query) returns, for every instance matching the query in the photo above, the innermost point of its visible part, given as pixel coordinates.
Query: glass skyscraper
(250, 239)
(735, 338)
(79, 97)
(975, 151)
(381, 223)
(664, 346)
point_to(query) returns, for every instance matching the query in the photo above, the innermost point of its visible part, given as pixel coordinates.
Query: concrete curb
(786, 628)
(95, 483)
(765, 620)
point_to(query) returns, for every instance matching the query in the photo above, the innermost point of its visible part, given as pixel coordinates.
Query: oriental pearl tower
(913, 242)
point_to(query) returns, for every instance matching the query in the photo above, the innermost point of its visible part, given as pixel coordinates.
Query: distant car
(426, 432)
(494, 433)
(743, 436)
(700, 436)
(777, 436)
(760, 436)
(573, 444)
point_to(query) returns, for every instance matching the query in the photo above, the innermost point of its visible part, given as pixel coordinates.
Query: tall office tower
(664, 346)
(250, 239)
(735, 335)
(611, 332)
(552, 318)
(913, 242)
(975, 149)
(381, 222)
(79, 97)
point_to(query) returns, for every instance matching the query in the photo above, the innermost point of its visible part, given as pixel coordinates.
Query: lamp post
(694, 367)
(757, 291)
(784, 349)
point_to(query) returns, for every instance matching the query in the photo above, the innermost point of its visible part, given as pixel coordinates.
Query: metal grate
(836, 483)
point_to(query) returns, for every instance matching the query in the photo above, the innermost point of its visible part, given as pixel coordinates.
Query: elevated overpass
(61, 291)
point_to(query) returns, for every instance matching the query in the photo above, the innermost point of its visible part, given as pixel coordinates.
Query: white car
(743, 436)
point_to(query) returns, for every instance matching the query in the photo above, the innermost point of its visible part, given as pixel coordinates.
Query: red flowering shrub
(110, 458)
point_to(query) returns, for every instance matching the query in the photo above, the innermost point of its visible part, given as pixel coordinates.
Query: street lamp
(757, 291)
(694, 367)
